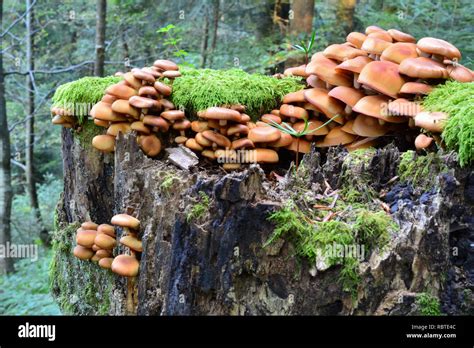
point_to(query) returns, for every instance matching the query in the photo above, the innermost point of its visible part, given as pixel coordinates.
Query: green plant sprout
(306, 48)
(172, 39)
(286, 128)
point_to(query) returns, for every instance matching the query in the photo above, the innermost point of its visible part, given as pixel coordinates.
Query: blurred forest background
(45, 43)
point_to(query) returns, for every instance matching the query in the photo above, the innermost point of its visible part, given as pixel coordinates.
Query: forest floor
(27, 291)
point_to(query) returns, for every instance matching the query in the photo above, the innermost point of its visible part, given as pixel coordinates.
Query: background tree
(100, 38)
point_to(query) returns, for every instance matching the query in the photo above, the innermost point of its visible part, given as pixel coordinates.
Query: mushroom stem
(348, 110)
(329, 86)
(183, 133)
(356, 83)
(222, 122)
(437, 58)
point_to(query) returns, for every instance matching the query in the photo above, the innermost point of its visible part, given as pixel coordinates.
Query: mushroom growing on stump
(422, 141)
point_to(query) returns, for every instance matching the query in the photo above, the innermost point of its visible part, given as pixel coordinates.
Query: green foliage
(26, 292)
(199, 89)
(306, 48)
(199, 209)
(88, 131)
(79, 96)
(428, 304)
(420, 170)
(311, 238)
(457, 100)
(171, 39)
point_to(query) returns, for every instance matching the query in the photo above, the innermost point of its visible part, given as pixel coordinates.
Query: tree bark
(30, 126)
(301, 20)
(215, 28)
(100, 37)
(205, 39)
(6, 264)
(345, 13)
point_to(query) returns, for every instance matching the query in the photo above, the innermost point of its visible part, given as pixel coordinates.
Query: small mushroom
(150, 144)
(106, 262)
(86, 238)
(83, 253)
(104, 241)
(125, 265)
(104, 143)
(422, 141)
(132, 242)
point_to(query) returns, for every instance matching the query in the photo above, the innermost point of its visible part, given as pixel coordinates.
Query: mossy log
(214, 262)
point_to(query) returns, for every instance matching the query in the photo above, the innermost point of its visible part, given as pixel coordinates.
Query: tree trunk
(345, 13)
(215, 28)
(6, 263)
(205, 39)
(301, 18)
(30, 127)
(100, 37)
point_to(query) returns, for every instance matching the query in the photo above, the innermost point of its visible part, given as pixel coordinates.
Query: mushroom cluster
(371, 85)
(96, 243)
(62, 117)
(139, 103)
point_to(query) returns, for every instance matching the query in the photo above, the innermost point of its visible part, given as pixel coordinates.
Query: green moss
(199, 89)
(428, 304)
(312, 238)
(79, 96)
(86, 132)
(199, 209)
(168, 182)
(420, 170)
(79, 287)
(457, 100)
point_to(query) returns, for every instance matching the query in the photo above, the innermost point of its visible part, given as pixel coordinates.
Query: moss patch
(199, 89)
(87, 131)
(320, 240)
(428, 304)
(457, 100)
(198, 210)
(79, 287)
(419, 170)
(80, 95)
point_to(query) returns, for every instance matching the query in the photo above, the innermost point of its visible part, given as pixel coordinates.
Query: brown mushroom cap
(143, 75)
(83, 253)
(148, 90)
(156, 121)
(104, 112)
(209, 154)
(104, 142)
(131, 80)
(460, 73)
(293, 111)
(375, 45)
(354, 65)
(182, 125)
(314, 81)
(432, 121)
(140, 127)
(284, 141)
(171, 74)
(150, 144)
(125, 265)
(108, 99)
(439, 47)
(342, 52)
(143, 103)
(398, 52)
(106, 262)
(216, 138)
(201, 140)
(423, 68)
(361, 144)
(296, 71)
(165, 64)
(329, 106)
(335, 137)
(132, 242)
(173, 115)
(262, 156)
(121, 91)
(367, 126)
(125, 220)
(372, 29)
(415, 88)
(422, 141)
(243, 143)
(219, 113)
(264, 134)
(120, 127)
(163, 88)
(237, 129)
(400, 36)
(199, 126)
(123, 106)
(377, 106)
(294, 97)
(382, 35)
(348, 95)
(347, 127)
(403, 107)
(357, 39)
(106, 229)
(302, 146)
(86, 238)
(104, 241)
(325, 69)
(101, 123)
(89, 225)
(193, 145)
(382, 77)
(268, 118)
